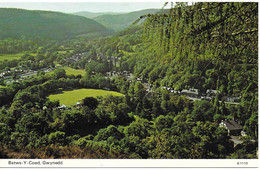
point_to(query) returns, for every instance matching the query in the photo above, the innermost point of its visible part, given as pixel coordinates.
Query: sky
(81, 5)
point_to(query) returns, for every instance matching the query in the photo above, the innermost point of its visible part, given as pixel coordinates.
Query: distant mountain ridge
(92, 15)
(118, 22)
(46, 24)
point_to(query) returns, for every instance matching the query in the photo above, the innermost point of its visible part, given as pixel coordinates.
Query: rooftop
(232, 125)
(191, 91)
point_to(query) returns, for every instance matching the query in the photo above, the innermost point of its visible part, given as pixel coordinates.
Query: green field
(10, 56)
(65, 51)
(70, 98)
(16, 56)
(73, 71)
(1, 87)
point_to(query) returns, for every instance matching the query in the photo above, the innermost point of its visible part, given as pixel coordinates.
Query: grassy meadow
(73, 71)
(2, 87)
(70, 98)
(16, 56)
(65, 51)
(10, 56)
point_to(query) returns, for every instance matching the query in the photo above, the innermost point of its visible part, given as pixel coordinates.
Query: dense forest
(203, 46)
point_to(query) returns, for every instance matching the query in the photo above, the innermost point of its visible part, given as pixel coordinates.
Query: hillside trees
(204, 37)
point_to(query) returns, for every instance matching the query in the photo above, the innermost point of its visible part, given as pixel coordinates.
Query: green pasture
(73, 71)
(65, 51)
(16, 56)
(10, 56)
(70, 98)
(2, 87)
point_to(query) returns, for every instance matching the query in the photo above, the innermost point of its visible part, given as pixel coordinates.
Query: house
(7, 77)
(231, 99)
(78, 105)
(234, 129)
(125, 73)
(190, 92)
(139, 79)
(206, 98)
(63, 107)
(106, 88)
(147, 85)
(211, 92)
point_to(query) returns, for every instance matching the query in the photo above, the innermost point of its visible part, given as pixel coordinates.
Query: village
(19, 75)
(76, 57)
(235, 130)
(191, 93)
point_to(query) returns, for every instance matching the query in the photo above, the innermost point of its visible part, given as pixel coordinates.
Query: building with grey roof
(234, 128)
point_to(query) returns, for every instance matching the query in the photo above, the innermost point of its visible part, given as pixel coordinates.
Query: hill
(95, 14)
(181, 51)
(122, 21)
(45, 24)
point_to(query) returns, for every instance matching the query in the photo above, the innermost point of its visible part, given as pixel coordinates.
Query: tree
(251, 125)
(74, 121)
(15, 76)
(91, 102)
(59, 73)
(32, 122)
(163, 122)
(140, 128)
(203, 111)
(139, 91)
(7, 69)
(110, 131)
(5, 132)
(119, 113)
(57, 138)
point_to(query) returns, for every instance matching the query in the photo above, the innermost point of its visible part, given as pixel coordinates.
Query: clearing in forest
(70, 98)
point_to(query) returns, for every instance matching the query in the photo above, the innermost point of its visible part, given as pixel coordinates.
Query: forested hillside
(204, 46)
(188, 80)
(45, 24)
(119, 22)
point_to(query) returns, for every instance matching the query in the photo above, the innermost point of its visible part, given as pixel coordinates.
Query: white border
(132, 163)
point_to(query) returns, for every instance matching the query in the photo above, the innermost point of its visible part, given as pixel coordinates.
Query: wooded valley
(182, 83)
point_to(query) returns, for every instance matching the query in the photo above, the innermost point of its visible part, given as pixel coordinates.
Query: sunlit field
(70, 98)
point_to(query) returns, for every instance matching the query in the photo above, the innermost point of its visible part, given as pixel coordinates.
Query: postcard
(128, 84)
